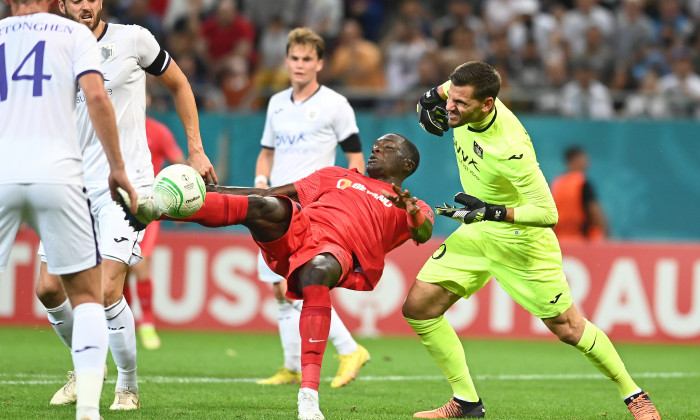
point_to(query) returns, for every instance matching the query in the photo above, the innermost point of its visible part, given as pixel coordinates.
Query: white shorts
(118, 241)
(60, 215)
(265, 273)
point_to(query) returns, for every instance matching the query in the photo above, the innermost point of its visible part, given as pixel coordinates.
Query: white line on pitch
(39, 379)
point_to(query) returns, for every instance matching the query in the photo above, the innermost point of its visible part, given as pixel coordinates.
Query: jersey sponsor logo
(345, 183)
(122, 239)
(520, 156)
(311, 340)
(466, 159)
(290, 139)
(556, 298)
(478, 150)
(440, 252)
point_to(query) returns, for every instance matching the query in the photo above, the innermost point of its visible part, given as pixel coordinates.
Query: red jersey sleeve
(308, 188)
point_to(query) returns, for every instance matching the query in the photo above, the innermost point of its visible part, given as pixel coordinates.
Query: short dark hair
(481, 76)
(573, 152)
(408, 151)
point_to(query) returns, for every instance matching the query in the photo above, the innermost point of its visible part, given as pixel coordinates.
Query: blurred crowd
(597, 59)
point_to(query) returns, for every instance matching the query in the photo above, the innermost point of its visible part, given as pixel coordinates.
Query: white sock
(340, 336)
(288, 322)
(122, 343)
(89, 356)
(61, 319)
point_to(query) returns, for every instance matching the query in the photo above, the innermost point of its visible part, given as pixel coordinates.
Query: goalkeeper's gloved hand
(432, 115)
(474, 210)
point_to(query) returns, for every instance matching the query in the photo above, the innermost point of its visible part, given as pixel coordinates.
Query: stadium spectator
(324, 17)
(682, 85)
(303, 128)
(587, 13)
(585, 96)
(41, 179)
(271, 73)
(461, 46)
(671, 21)
(356, 62)
(460, 14)
(647, 101)
(633, 29)
(510, 239)
(228, 32)
(581, 217)
(330, 229)
(598, 54)
(404, 47)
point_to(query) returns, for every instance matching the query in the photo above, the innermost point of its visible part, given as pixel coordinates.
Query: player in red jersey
(163, 146)
(330, 229)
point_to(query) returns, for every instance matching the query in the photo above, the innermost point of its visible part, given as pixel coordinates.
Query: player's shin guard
(220, 210)
(441, 341)
(598, 349)
(288, 323)
(61, 319)
(89, 355)
(314, 325)
(122, 343)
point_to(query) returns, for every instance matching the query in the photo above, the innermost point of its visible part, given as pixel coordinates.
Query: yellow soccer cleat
(149, 337)
(283, 376)
(350, 365)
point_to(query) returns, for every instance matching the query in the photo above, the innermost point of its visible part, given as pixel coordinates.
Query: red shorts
(149, 238)
(303, 241)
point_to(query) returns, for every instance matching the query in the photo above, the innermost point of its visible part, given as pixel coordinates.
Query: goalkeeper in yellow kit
(506, 212)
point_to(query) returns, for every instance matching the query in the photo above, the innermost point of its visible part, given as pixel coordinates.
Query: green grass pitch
(212, 376)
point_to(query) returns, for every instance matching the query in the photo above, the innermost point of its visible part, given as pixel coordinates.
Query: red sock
(220, 210)
(144, 289)
(126, 291)
(314, 324)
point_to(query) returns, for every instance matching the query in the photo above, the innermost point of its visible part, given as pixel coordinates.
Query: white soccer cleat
(66, 395)
(147, 211)
(308, 406)
(125, 400)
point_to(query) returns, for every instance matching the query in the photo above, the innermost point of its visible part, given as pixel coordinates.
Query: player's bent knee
(50, 292)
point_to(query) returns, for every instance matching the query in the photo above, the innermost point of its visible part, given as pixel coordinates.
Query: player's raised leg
(571, 328)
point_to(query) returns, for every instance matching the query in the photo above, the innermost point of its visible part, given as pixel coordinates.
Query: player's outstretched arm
(419, 226)
(105, 124)
(175, 80)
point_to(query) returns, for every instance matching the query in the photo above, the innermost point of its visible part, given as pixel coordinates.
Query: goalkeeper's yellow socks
(441, 341)
(598, 349)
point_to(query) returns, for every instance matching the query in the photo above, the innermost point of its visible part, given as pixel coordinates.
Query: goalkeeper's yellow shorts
(530, 272)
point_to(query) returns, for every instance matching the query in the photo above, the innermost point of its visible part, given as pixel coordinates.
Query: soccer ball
(179, 191)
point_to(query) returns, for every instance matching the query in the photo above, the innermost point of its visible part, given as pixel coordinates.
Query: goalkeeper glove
(432, 115)
(474, 210)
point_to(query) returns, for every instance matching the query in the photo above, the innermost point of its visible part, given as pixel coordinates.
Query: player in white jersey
(128, 52)
(304, 126)
(41, 178)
